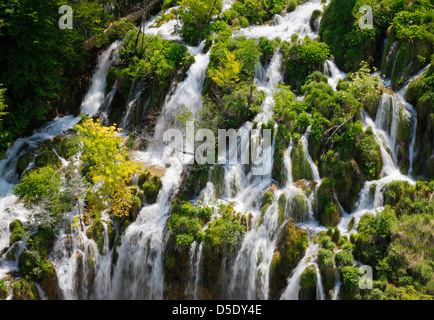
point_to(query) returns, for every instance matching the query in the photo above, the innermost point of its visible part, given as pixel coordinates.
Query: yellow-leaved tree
(108, 168)
(227, 72)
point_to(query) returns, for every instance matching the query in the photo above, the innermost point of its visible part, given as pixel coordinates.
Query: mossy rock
(306, 186)
(217, 179)
(282, 140)
(300, 165)
(64, 147)
(4, 292)
(348, 188)
(368, 156)
(308, 283)
(16, 227)
(328, 210)
(326, 267)
(24, 290)
(23, 162)
(292, 205)
(314, 25)
(267, 200)
(34, 261)
(96, 233)
(176, 269)
(47, 158)
(291, 246)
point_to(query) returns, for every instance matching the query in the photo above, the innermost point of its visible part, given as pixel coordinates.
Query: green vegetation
(47, 193)
(224, 234)
(196, 17)
(302, 59)
(230, 96)
(187, 222)
(39, 60)
(100, 147)
(421, 96)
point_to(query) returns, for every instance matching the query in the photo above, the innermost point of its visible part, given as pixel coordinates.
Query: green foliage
(37, 57)
(34, 262)
(350, 282)
(230, 96)
(344, 258)
(226, 232)
(151, 185)
(374, 236)
(3, 290)
(196, 17)
(187, 222)
(302, 59)
(45, 187)
(369, 156)
(24, 289)
(151, 58)
(254, 11)
(106, 163)
(18, 231)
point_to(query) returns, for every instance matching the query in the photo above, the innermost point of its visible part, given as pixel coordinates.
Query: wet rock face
(24, 290)
(315, 19)
(290, 248)
(308, 284)
(176, 270)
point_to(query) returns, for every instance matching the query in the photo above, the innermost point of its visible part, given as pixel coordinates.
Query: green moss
(150, 185)
(293, 206)
(34, 261)
(24, 290)
(368, 156)
(291, 246)
(96, 233)
(327, 207)
(23, 162)
(267, 200)
(344, 258)
(300, 165)
(3, 290)
(18, 231)
(308, 283)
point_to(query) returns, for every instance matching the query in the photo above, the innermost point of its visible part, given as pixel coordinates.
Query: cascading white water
(293, 288)
(10, 209)
(293, 22)
(139, 270)
(333, 73)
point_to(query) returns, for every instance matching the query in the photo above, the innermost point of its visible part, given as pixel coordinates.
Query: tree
(227, 72)
(107, 166)
(196, 17)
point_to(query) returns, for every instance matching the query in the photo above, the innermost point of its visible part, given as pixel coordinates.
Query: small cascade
(10, 209)
(288, 165)
(305, 140)
(333, 73)
(95, 96)
(133, 99)
(296, 22)
(187, 95)
(293, 288)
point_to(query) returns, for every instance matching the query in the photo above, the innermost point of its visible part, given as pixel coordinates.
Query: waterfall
(333, 73)
(10, 209)
(296, 22)
(292, 289)
(188, 94)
